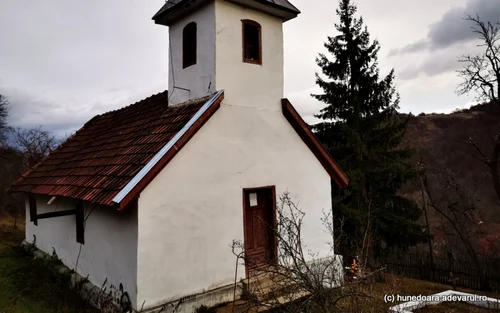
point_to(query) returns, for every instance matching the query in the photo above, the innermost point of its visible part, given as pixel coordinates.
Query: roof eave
(273, 9)
(132, 190)
(168, 14)
(314, 144)
(292, 10)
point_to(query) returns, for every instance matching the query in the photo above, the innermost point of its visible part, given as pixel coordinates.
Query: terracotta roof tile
(108, 151)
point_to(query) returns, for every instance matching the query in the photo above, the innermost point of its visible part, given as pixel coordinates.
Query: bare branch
(304, 282)
(481, 72)
(35, 143)
(483, 155)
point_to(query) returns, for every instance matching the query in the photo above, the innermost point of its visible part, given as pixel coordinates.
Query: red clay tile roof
(108, 151)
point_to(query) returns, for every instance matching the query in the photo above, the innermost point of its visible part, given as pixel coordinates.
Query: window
(189, 45)
(252, 47)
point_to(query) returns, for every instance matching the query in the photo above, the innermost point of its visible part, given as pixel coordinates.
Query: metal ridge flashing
(145, 170)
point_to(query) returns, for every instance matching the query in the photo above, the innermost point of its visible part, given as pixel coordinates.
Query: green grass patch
(30, 286)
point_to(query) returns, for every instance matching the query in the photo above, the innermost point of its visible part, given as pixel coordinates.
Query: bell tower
(235, 45)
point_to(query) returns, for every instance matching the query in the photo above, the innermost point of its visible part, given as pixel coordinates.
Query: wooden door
(259, 223)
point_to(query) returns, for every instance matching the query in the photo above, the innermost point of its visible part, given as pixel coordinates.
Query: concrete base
(190, 303)
(95, 296)
(108, 300)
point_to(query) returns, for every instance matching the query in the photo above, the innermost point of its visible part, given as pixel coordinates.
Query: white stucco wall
(110, 249)
(219, 57)
(247, 84)
(192, 210)
(198, 78)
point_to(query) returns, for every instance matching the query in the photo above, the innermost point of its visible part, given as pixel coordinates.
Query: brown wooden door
(259, 220)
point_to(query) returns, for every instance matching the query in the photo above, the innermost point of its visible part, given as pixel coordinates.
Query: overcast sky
(64, 61)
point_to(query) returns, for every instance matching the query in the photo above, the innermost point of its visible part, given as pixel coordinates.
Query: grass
(373, 293)
(395, 285)
(28, 285)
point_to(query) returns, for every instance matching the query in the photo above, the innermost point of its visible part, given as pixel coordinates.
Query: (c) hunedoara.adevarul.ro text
(434, 298)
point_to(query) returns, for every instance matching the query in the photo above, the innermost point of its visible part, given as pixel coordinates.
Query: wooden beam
(79, 213)
(56, 214)
(33, 214)
(80, 223)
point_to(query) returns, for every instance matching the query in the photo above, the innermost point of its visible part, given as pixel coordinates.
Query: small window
(252, 46)
(189, 45)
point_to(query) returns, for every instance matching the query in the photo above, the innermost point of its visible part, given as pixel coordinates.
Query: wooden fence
(447, 271)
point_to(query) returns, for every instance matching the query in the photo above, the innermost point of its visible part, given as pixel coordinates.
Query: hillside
(441, 141)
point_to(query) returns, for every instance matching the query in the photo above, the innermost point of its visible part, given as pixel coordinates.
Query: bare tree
(455, 203)
(35, 143)
(301, 279)
(4, 111)
(421, 173)
(481, 75)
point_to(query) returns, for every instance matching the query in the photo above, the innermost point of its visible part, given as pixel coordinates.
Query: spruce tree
(361, 129)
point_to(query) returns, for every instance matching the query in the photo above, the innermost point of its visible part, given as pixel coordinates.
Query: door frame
(274, 246)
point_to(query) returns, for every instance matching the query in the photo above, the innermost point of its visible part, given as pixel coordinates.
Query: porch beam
(56, 214)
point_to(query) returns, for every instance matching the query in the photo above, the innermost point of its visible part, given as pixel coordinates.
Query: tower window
(189, 45)
(252, 42)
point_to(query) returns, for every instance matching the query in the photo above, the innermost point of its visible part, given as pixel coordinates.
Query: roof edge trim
(154, 161)
(313, 143)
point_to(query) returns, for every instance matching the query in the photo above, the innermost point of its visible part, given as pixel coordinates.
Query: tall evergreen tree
(362, 131)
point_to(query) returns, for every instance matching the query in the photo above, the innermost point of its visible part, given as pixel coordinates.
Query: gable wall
(110, 249)
(190, 213)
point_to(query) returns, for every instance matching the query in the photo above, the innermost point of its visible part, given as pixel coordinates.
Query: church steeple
(234, 45)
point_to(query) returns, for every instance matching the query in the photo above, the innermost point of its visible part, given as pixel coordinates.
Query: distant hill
(441, 140)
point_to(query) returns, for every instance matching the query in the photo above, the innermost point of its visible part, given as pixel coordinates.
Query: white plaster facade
(176, 243)
(246, 84)
(219, 58)
(110, 249)
(198, 78)
(184, 234)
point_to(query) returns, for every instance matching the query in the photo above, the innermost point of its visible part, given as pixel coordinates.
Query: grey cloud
(64, 61)
(28, 110)
(452, 28)
(416, 46)
(68, 61)
(432, 66)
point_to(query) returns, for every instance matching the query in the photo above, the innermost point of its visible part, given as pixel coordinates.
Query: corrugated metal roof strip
(111, 145)
(145, 170)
